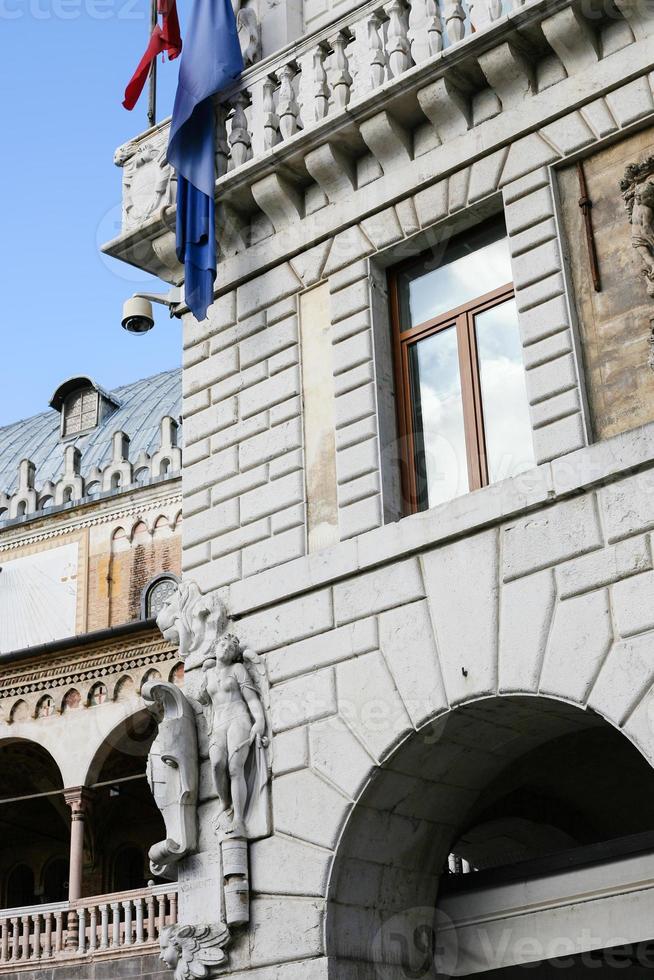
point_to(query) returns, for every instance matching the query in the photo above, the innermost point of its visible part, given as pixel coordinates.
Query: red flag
(164, 38)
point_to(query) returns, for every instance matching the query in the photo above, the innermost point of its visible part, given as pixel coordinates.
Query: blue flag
(211, 60)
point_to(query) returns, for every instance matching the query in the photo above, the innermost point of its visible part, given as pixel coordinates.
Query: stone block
(353, 351)
(267, 445)
(308, 808)
(355, 405)
(555, 408)
(346, 302)
(383, 229)
(355, 378)
(376, 591)
(369, 703)
(544, 260)
(406, 640)
(284, 929)
(286, 463)
(287, 518)
(209, 370)
(559, 438)
(209, 525)
(290, 751)
(280, 865)
(266, 289)
(526, 608)
(462, 586)
(357, 461)
(269, 392)
(268, 342)
(532, 181)
(356, 490)
(544, 319)
(540, 292)
(359, 517)
(631, 102)
(485, 175)
(432, 204)
(625, 678)
(554, 534)
(303, 699)
(319, 651)
(569, 134)
(210, 421)
(526, 154)
(347, 247)
(272, 497)
(548, 349)
(288, 622)
(356, 432)
(285, 411)
(532, 237)
(351, 325)
(551, 379)
(208, 472)
(633, 607)
(240, 538)
(628, 505)
(581, 637)
(218, 573)
(338, 756)
(530, 210)
(600, 568)
(283, 547)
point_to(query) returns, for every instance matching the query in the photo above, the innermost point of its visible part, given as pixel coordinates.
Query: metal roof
(142, 405)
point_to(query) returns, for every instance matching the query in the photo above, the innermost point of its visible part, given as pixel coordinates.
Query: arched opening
(126, 819)
(532, 797)
(34, 821)
(55, 881)
(68, 495)
(116, 481)
(21, 509)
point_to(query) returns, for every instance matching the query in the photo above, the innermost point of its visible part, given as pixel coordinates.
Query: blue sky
(63, 70)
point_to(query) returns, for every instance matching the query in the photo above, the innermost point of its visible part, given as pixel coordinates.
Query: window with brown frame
(462, 404)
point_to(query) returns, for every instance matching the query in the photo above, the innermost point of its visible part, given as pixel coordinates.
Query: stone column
(79, 800)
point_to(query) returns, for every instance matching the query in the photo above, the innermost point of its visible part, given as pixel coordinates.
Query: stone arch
(151, 675)
(98, 694)
(71, 701)
(125, 688)
(400, 815)
(176, 675)
(20, 711)
(132, 737)
(119, 540)
(45, 707)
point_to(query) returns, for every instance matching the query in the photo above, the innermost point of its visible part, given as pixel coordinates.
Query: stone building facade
(90, 546)
(417, 478)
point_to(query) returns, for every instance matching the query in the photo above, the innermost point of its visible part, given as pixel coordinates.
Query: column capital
(79, 799)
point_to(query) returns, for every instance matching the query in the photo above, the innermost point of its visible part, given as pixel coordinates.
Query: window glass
(441, 467)
(509, 447)
(81, 411)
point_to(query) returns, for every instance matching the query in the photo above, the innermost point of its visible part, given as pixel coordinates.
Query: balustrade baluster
(47, 942)
(93, 928)
(115, 924)
(37, 936)
(15, 937)
(454, 20)
(161, 914)
(320, 86)
(152, 935)
(104, 926)
(59, 931)
(340, 76)
(222, 146)
(239, 137)
(4, 941)
(425, 30)
(271, 135)
(172, 898)
(25, 919)
(138, 903)
(397, 41)
(127, 938)
(288, 108)
(81, 924)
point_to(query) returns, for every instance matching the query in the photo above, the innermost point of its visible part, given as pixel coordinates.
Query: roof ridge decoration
(119, 475)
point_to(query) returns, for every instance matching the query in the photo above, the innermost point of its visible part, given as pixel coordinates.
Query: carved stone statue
(192, 622)
(249, 31)
(194, 951)
(173, 775)
(233, 693)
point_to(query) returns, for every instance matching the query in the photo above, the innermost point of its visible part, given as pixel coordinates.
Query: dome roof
(138, 409)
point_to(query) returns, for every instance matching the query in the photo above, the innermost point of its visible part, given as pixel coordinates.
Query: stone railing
(125, 923)
(304, 85)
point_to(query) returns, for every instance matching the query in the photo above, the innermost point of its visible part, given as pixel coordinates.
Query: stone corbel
(447, 107)
(173, 775)
(509, 73)
(332, 170)
(387, 140)
(279, 200)
(572, 39)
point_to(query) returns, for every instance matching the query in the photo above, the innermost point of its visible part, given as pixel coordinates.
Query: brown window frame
(463, 319)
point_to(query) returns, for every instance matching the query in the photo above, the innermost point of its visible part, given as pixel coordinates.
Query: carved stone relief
(249, 31)
(148, 182)
(638, 192)
(227, 708)
(173, 775)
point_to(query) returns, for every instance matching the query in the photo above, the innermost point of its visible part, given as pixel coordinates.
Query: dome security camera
(137, 315)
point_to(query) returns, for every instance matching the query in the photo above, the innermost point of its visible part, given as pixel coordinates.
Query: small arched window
(98, 694)
(93, 489)
(46, 707)
(156, 593)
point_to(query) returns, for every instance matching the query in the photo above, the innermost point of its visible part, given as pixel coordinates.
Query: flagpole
(152, 96)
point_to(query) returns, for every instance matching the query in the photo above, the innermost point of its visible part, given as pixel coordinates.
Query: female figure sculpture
(232, 693)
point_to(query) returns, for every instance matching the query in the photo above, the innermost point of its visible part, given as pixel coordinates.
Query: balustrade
(129, 922)
(318, 79)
